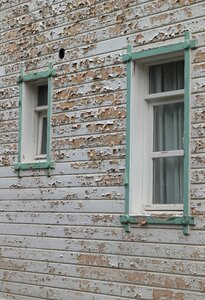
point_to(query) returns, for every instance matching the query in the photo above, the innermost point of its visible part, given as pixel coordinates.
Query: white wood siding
(60, 236)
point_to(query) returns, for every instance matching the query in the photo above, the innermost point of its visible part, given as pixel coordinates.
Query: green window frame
(184, 220)
(22, 79)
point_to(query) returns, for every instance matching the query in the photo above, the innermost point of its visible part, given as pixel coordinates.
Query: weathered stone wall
(60, 236)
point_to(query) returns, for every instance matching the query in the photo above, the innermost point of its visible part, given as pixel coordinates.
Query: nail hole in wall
(61, 53)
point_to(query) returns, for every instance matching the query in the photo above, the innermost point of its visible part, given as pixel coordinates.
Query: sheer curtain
(166, 77)
(168, 134)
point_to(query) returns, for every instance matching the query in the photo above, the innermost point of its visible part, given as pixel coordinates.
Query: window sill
(162, 219)
(173, 209)
(34, 165)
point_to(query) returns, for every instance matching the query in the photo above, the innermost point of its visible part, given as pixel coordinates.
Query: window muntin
(167, 130)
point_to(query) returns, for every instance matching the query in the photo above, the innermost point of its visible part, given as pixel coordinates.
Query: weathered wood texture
(60, 236)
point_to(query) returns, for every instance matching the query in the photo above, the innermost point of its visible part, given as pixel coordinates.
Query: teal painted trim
(186, 130)
(36, 75)
(20, 119)
(20, 116)
(178, 47)
(49, 112)
(35, 165)
(48, 164)
(152, 220)
(127, 170)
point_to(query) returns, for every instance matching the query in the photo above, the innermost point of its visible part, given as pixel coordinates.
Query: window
(41, 110)
(34, 121)
(157, 136)
(35, 92)
(166, 132)
(157, 125)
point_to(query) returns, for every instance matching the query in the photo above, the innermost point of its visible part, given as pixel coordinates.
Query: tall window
(35, 106)
(34, 121)
(156, 135)
(157, 169)
(165, 98)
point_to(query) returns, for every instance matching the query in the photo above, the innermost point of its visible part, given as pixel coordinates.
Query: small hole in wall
(61, 53)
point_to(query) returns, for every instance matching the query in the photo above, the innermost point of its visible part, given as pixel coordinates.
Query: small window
(35, 105)
(34, 127)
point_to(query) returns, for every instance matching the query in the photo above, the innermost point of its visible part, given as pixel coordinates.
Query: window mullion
(41, 108)
(164, 95)
(171, 153)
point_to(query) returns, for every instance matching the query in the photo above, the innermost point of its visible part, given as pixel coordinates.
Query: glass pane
(42, 95)
(168, 180)
(166, 77)
(168, 127)
(44, 136)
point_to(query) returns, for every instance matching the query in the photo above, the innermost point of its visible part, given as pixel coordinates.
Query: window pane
(166, 77)
(44, 136)
(168, 180)
(168, 127)
(42, 95)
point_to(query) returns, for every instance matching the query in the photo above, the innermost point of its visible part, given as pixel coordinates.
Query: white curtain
(168, 134)
(166, 77)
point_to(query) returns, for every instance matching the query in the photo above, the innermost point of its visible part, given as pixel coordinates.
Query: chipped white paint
(60, 236)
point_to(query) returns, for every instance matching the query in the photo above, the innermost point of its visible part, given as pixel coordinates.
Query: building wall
(60, 236)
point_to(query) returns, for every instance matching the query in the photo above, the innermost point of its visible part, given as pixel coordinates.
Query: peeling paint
(67, 224)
